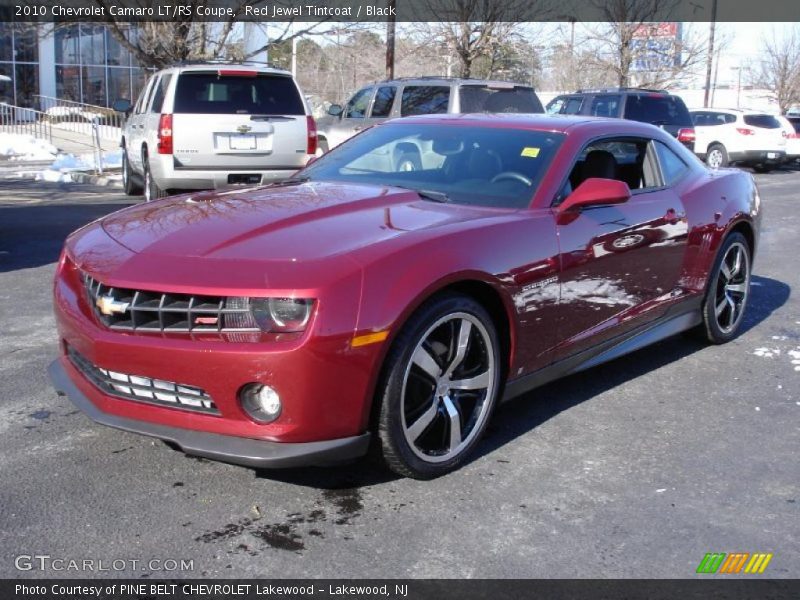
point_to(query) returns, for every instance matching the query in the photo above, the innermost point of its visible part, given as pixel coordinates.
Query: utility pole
(390, 37)
(710, 58)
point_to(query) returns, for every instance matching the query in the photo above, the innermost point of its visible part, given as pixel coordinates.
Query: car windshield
(463, 164)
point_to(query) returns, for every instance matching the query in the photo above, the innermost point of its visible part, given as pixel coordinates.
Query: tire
(419, 405)
(408, 161)
(728, 289)
(151, 189)
(763, 168)
(717, 156)
(131, 187)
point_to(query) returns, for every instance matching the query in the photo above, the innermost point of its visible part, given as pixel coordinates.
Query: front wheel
(728, 290)
(440, 387)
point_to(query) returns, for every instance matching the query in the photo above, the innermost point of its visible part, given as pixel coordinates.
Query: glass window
(384, 99)
(554, 106)
(605, 105)
(658, 109)
(68, 83)
(94, 85)
(482, 98)
(92, 45)
(66, 42)
(424, 100)
(26, 44)
(672, 167)
(119, 84)
(27, 84)
(763, 121)
(357, 105)
(158, 95)
(572, 106)
(6, 47)
(620, 159)
(115, 53)
(209, 93)
(476, 165)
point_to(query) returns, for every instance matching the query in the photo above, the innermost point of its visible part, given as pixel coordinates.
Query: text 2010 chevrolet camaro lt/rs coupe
(365, 304)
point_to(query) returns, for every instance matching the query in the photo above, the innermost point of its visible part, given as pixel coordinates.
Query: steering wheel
(512, 175)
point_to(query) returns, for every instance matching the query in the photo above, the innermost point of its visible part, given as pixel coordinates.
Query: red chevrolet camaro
(372, 301)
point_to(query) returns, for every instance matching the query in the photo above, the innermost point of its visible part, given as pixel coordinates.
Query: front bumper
(231, 449)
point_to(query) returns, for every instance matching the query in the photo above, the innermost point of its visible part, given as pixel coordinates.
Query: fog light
(261, 402)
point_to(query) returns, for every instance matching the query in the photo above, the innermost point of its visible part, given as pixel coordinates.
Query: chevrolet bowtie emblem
(243, 128)
(108, 305)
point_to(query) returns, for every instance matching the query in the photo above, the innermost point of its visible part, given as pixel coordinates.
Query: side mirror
(335, 110)
(594, 192)
(122, 106)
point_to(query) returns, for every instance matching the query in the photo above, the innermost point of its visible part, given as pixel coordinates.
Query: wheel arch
(746, 229)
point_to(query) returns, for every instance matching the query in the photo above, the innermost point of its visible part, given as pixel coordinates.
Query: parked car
(657, 107)
(791, 127)
(291, 324)
(742, 137)
(375, 103)
(207, 126)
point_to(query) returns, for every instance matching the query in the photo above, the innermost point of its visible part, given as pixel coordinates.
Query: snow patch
(20, 146)
(767, 352)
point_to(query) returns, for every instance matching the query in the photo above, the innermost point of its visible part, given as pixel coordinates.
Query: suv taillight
(165, 134)
(745, 131)
(686, 135)
(311, 147)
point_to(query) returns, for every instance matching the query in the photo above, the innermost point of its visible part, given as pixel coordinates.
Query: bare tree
(779, 68)
(638, 39)
(472, 29)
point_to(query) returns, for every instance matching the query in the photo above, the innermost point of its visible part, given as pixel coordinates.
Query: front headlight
(282, 315)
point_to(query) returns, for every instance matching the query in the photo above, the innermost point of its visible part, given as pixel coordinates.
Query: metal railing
(27, 121)
(42, 125)
(81, 117)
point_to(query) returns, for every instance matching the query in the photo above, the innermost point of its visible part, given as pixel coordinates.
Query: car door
(620, 264)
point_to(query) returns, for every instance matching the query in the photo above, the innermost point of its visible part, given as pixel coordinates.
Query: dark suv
(649, 106)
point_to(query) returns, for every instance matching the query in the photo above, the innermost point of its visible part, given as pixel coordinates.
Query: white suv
(731, 136)
(211, 125)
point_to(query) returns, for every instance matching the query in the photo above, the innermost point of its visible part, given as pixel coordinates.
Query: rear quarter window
(424, 100)
(210, 93)
(763, 121)
(658, 110)
(479, 99)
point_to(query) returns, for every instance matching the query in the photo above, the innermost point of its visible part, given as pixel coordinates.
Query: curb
(101, 180)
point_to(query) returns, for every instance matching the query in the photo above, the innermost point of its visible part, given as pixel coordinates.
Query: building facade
(79, 62)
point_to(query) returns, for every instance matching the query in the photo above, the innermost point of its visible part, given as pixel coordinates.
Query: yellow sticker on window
(530, 152)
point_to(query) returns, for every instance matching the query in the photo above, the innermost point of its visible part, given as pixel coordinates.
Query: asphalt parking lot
(633, 469)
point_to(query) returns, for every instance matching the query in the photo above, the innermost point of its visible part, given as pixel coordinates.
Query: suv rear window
(765, 121)
(482, 98)
(424, 99)
(658, 110)
(210, 93)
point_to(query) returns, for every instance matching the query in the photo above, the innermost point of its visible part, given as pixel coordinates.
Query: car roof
(432, 79)
(220, 66)
(536, 122)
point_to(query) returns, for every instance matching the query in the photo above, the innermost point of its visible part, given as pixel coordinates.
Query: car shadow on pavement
(523, 414)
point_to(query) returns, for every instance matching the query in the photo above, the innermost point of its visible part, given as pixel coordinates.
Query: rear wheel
(717, 156)
(440, 387)
(131, 187)
(151, 189)
(728, 290)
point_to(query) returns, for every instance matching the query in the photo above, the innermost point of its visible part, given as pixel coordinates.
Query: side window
(160, 92)
(672, 167)
(605, 105)
(555, 105)
(384, 99)
(357, 106)
(572, 105)
(623, 159)
(424, 99)
(141, 103)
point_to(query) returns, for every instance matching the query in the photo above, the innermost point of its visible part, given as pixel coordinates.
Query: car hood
(295, 222)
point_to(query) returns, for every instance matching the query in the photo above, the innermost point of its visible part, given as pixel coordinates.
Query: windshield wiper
(434, 196)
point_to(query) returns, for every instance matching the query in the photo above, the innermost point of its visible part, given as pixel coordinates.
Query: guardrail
(16, 119)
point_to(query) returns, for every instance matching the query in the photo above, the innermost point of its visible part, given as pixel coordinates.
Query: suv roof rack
(619, 89)
(227, 61)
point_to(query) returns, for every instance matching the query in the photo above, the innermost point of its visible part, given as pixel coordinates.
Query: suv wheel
(131, 187)
(441, 384)
(151, 189)
(717, 156)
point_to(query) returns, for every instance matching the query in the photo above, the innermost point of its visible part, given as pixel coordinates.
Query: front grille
(144, 389)
(140, 310)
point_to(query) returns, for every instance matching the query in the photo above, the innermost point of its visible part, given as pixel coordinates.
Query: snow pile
(19, 146)
(87, 162)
